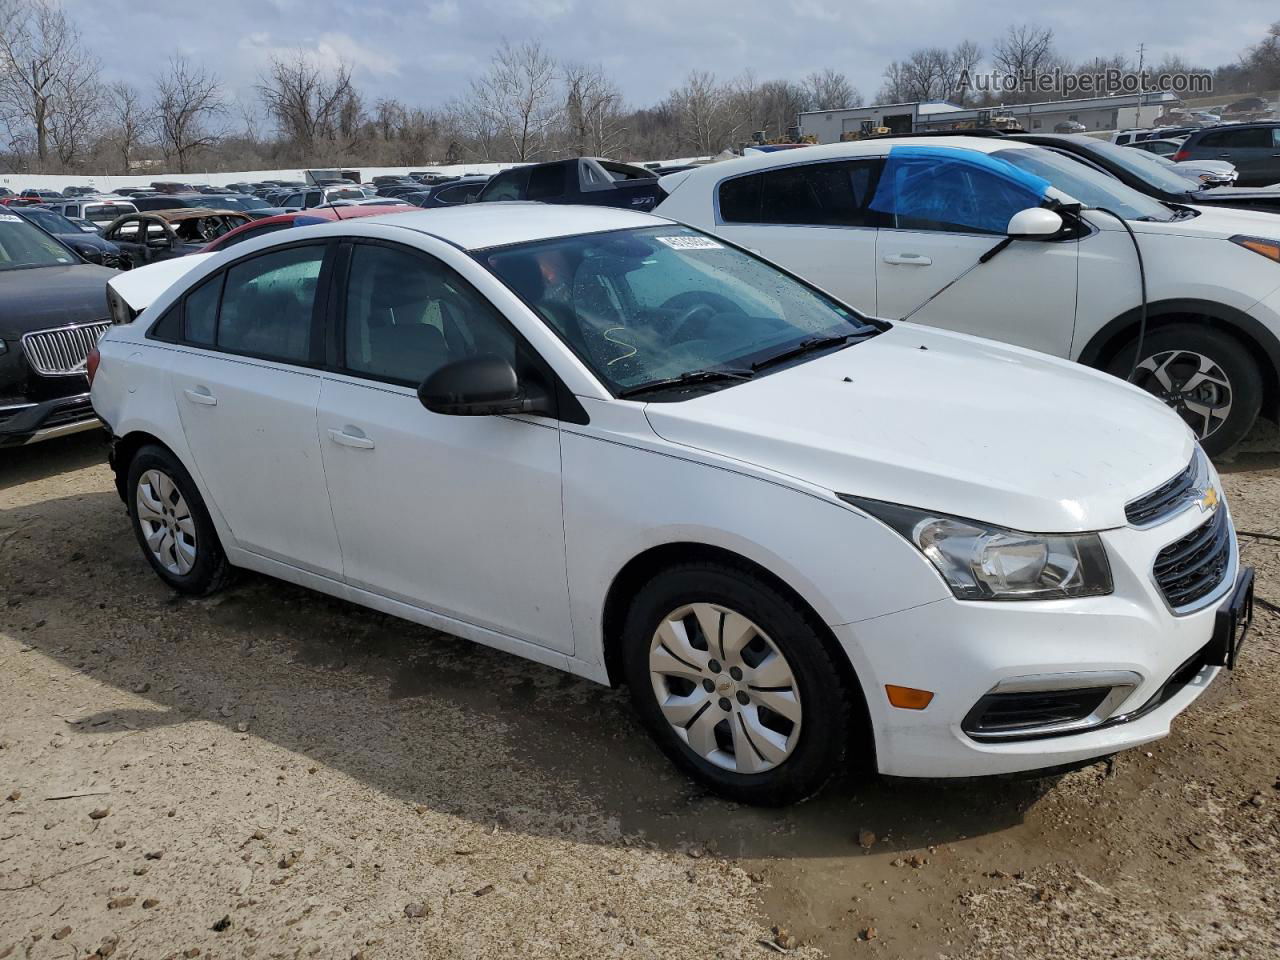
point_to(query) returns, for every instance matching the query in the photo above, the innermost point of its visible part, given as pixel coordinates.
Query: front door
(939, 216)
(454, 514)
(247, 400)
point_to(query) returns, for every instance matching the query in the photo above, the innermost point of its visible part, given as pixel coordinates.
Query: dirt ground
(272, 773)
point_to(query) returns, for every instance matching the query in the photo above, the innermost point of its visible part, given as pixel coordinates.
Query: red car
(283, 221)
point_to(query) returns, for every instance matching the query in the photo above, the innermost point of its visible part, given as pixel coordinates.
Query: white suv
(886, 224)
(620, 447)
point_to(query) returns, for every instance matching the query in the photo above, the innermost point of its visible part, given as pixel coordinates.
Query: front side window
(407, 315)
(267, 304)
(505, 186)
(949, 194)
(646, 305)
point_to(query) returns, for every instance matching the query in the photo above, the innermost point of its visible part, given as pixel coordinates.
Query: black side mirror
(480, 387)
(88, 251)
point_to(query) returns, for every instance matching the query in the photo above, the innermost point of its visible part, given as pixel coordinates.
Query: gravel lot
(272, 773)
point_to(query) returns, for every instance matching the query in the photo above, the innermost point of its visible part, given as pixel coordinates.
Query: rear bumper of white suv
(1130, 662)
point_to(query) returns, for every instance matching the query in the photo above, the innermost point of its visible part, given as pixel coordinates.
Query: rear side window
(267, 304)
(815, 194)
(200, 312)
(1255, 138)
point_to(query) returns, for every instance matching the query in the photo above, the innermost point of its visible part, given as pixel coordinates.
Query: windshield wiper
(809, 345)
(690, 378)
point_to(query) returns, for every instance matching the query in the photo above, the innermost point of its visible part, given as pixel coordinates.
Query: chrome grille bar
(62, 352)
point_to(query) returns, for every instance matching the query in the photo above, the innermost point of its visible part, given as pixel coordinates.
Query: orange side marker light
(908, 698)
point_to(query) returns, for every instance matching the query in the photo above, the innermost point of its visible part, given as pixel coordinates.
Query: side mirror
(88, 251)
(480, 387)
(1034, 223)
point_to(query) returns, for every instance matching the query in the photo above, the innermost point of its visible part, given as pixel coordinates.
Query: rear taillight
(91, 364)
(1181, 155)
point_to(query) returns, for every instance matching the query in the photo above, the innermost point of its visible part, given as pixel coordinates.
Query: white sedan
(623, 448)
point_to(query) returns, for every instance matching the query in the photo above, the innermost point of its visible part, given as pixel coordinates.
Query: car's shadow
(413, 712)
(49, 458)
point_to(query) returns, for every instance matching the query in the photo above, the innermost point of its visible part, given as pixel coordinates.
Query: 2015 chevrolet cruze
(626, 449)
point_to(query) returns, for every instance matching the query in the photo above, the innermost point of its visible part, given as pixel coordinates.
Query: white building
(1096, 113)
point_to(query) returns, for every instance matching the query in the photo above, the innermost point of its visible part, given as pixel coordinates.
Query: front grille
(1164, 500)
(1193, 567)
(62, 352)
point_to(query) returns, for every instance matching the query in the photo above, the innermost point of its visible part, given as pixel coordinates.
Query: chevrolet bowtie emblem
(1208, 501)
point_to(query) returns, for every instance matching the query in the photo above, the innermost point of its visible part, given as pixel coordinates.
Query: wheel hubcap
(167, 524)
(725, 688)
(1192, 384)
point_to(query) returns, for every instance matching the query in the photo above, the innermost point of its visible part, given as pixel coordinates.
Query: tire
(161, 495)
(783, 759)
(1173, 356)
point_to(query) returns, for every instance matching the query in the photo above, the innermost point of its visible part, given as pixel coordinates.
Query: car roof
(481, 225)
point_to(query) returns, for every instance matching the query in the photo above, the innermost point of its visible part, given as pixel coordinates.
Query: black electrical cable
(1142, 279)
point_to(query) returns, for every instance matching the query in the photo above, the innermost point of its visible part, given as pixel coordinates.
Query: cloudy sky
(426, 52)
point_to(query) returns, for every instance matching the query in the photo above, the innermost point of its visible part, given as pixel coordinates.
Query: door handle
(908, 259)
(348, 439)
(202, 395)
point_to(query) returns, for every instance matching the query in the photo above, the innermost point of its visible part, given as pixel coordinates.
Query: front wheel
(735, 684)
(1207, 376)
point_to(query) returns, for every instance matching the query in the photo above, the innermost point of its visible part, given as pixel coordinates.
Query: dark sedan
(53, 308)
(448, 194)
(88, 243)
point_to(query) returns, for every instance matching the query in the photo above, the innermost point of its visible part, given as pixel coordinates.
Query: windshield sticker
(690, 243)
(10, 218)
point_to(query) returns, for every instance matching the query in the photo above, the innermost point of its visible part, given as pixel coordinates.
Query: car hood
(1213, 222)
(42, 297)
(1241, 193)
(949, 423)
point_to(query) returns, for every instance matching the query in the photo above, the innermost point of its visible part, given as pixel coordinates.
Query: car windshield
(23, 245)
(1144, 165)
(1091, 187)
(51, 222)
(650, 305)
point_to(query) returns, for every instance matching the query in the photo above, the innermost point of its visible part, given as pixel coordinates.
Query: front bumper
(31, 422)
(964, 650)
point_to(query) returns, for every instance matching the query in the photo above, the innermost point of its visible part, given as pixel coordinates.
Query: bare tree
(306, 102)
(830, 90)
(1024, 51)
(515, 100)
(76, 120)
(965, 57)
(129, 118)
(593, 111)
(704, 114)
(43, 65)
(188, 102)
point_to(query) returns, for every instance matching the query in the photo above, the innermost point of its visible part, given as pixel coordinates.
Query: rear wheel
(735, 683)
(1207, 376)
(172, 525)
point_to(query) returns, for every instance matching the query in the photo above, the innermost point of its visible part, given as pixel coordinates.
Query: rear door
(246, 388)
(939, 215)
(812, 218)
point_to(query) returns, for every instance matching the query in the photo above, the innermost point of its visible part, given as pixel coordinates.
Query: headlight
(1260, 245)
(982, 562)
